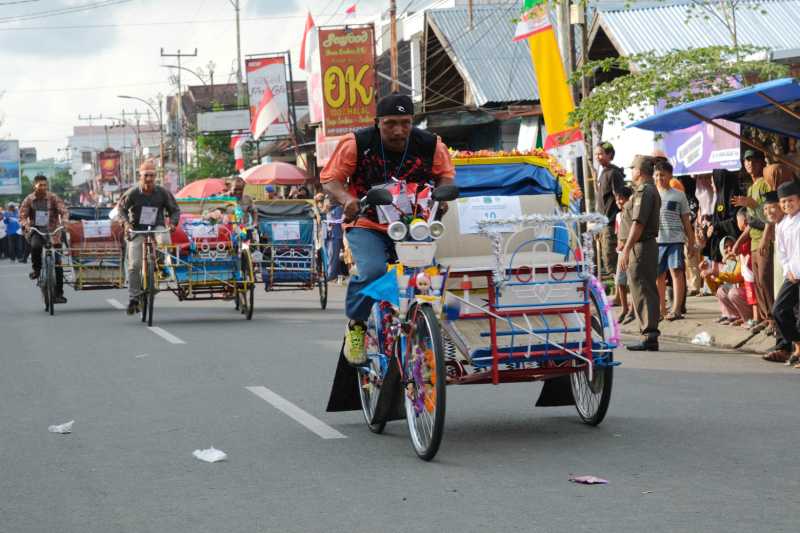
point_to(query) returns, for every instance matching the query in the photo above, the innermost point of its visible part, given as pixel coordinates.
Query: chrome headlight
(437, 229)
(420, 230)
(397, 230)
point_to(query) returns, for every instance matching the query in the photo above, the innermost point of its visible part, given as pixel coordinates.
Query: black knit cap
(789, 188)
(771, 197)
(395, 104)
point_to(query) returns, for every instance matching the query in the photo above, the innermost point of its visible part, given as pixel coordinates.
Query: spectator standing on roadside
(674, 231)
(610, 180)
(627, 314)
(3, 238)
(787, 239)
(14, 243)
(754, 164)
(639, 257)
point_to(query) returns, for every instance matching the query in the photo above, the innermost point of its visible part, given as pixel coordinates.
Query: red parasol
(203, 188)
(276, 173)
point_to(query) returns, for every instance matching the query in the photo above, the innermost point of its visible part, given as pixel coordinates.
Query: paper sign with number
(286, 231)
(41, 218)
(473, 210)
(96, 229)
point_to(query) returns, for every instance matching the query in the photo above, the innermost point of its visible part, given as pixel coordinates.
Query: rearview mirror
(445, 193)
(379, 197)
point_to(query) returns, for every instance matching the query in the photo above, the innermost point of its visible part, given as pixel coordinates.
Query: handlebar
(132, 233)
(47, 233)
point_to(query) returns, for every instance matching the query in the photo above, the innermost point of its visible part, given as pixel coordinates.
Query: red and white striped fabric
(237, 141)
(268, 112)
(305, 47)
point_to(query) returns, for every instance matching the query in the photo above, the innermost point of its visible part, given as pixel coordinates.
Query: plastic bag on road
(63, 429)
(588, 480)
(210, 455)
(703, 339)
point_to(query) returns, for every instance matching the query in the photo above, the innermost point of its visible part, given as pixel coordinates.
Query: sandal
(673, 316)
(793, 360)
(776, 356)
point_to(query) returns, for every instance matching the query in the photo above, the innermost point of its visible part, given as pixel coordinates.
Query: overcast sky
(54, 68)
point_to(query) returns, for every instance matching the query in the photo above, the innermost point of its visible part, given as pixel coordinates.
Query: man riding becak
(391, 151)
(141, 208)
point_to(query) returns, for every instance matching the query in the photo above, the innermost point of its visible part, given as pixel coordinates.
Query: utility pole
(180, 152)
(89, 118)
(469, 13)
(393, 44)
(239, 87)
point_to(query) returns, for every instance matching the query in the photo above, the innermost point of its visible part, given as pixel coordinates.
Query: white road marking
(116, 304)
(140, 356)
(166, 335)
(291, 410)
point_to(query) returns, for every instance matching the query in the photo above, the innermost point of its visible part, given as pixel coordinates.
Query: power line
(17, 2)
(99, 87)
(158, 23)
(63, 11)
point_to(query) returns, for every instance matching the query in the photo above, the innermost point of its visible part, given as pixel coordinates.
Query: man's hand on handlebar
(351, 209)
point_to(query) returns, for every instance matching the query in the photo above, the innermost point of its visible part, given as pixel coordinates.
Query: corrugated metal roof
(496, 69)
(665, 28)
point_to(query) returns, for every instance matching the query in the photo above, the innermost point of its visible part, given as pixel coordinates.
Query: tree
(214, 158)
(61, 183)
(725, 12)
(676, 77)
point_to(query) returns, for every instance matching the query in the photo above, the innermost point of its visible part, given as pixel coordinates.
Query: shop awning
(766, 106)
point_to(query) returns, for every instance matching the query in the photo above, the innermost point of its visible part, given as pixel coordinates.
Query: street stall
(772, 106)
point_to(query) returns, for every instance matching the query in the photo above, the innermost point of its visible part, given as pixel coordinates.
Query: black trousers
(785, 313)
(37, 244)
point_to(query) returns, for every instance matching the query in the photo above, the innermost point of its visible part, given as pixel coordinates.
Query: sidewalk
(703, 312)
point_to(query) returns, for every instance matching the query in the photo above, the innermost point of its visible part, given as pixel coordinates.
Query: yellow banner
(554, 93)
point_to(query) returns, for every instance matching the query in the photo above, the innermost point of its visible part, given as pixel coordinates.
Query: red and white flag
(237, 141)
(304, 46)
(267, 113)
(350, 12)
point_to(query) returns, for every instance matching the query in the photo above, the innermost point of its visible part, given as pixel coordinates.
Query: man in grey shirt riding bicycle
(143, 208)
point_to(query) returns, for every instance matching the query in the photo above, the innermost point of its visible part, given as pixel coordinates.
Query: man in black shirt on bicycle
(143, 208)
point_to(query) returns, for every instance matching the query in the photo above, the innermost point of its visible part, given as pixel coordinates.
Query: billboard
(269, 72)
(109, 163)
(702, 148)
(347, 63)
(10, 168)
(235, 120)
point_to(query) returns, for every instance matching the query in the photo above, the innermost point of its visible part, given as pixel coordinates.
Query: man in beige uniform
(639, 257)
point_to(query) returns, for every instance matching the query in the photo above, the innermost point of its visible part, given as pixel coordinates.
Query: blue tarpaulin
(505, 180)
(745, 106)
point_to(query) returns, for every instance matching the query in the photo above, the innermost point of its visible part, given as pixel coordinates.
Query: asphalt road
(694, 440)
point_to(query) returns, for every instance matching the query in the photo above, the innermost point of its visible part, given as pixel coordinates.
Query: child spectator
(627, 314)
(674, 231)
(730, 293)
(787, 239)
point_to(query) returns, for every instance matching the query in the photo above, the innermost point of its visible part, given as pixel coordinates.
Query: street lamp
(157, 112)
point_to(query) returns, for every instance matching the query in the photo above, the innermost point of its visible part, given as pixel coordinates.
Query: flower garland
(567, 181)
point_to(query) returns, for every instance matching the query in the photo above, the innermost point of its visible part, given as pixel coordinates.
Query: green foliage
(214, 158)
(676, 77)
(61, 183)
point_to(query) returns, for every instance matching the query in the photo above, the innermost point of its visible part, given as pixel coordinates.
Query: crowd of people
(737, 239)
(13, 245)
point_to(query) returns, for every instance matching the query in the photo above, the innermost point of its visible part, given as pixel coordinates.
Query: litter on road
(589, 480)
(63, 429)
(210, 455)
(703, 339)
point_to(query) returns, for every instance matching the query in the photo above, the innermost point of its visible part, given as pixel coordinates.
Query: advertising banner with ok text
(269, 72)
(9, 168)
(347, 60)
